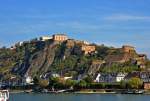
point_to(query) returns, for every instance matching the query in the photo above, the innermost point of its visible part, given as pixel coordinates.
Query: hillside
(68, 58)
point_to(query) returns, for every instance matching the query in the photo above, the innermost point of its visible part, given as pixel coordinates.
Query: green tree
(43, 83)
(82, 84)
(53, 81)
(135, 83)
(123, 84)
(102, 51)
(36, 80)
(70, 83)
(88, 79)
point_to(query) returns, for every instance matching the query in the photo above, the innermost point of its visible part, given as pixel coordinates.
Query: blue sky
(110, 22)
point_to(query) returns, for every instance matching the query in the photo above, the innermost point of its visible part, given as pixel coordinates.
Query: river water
(78, 97)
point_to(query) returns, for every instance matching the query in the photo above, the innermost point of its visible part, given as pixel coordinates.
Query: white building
(120, 77)
(55, 75)
(67, 77)
(45, 38)
(98, 78)
(110, 77)
(16, 45)
(28, 80)
(19, 43)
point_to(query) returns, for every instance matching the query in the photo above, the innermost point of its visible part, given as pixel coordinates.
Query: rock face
(95, 66)
(39, 61)
(42, 60)
(41, 57)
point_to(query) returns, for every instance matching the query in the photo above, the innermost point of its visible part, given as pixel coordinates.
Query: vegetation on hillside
(37, 58)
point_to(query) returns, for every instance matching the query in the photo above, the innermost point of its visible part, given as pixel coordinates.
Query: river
(78, 97)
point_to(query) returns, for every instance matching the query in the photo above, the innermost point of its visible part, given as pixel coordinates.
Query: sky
(109, 22)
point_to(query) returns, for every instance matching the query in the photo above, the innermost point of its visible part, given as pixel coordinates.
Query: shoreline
(76, 92)
(79, 93)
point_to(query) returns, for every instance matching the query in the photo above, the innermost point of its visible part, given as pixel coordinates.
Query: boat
(139, 91)
(4, 95)
(133, 92)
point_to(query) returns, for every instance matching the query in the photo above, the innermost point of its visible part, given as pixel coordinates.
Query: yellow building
(60, 37)
(88, 48)
(147, 85)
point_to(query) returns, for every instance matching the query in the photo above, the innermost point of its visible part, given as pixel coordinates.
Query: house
(120, 77)
(67, 77)
(110, 77)
(19, 44)
(147, 85)
(140, 61)
(145, 76)
(49, 74)
(13, 81)
(142, 57)
(28, 80)
(88, 49)
(59, 37)
(55, 75)
(81, 48)
(98, 77)
(131, 75)
(142, 66)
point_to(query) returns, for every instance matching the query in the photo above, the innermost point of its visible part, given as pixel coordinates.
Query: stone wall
(128, 49)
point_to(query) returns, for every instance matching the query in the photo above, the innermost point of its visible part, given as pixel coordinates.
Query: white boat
(4, 95)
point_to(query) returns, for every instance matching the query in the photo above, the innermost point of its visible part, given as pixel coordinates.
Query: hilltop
(59, 54)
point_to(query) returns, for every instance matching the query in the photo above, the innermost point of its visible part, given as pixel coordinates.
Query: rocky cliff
(37, 58)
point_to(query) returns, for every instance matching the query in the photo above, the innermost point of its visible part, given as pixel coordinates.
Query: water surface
(78, 97)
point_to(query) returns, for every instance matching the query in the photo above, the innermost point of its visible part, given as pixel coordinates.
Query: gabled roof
(133, 74)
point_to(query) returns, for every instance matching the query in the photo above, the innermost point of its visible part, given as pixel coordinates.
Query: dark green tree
(135, 83)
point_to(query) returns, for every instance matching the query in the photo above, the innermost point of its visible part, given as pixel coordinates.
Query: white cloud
(126, 17)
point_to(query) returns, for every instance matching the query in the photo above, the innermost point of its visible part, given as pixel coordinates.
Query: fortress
(60, 37)
(128, 49)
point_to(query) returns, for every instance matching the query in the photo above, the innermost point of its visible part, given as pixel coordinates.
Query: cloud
(124, 17)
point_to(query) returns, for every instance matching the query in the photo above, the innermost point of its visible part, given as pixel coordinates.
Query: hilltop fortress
(83, 46)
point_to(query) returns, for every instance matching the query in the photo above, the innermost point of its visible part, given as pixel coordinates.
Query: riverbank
(86, 91)
(21, 91)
